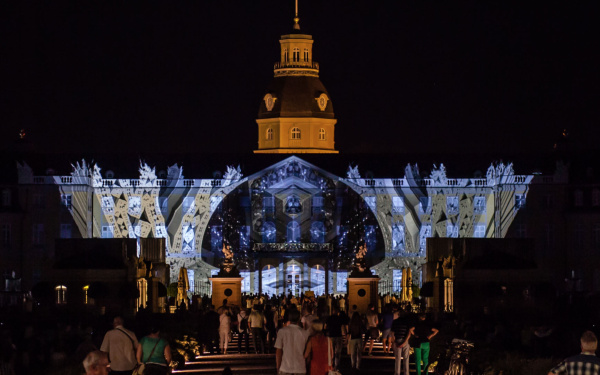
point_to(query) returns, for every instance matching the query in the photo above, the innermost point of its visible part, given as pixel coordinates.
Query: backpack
(244, 324)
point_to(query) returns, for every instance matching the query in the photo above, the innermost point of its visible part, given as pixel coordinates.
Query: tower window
(296, 55)
(295, 133)
(61, 294)
(306, 54)
(285, 55)
(321, 134)
(269, 134)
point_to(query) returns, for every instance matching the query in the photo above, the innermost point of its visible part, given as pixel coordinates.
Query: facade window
(452, 230)
(6, 236)
(578, 198)
(107, 231)
(296, 55)
(38, 201)
(398, 205)
(216, 238)
(108, 205)
(269, 204)
(425, 205)
(423, 235)
(547, 202)
(295, 133)
(189, 204)
(579, 233)
(61, 294)
(521, 230)
(269, 232)
(479, 205)
(188, 236)
(396, 281)
(67, 200)
(86, 299)
(215, 203)
(596, 197)
(596, 236)
(163, 203)
(398, 237)
(342, 279)
(293, 232)
(317, 232)
(245, 275)
(549, 236)
(321, 134)
(286, 57)
(269, 134)
(372, 203)
(38, 234)
(479, 231)
(65, 231)
(6, 198)
(519, 201)
(135, 205)
(452, 205)
(306, 55)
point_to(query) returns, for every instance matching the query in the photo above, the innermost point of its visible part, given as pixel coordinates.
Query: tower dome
(296, 113)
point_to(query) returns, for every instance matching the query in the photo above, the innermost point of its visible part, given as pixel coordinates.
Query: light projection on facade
(291, 214)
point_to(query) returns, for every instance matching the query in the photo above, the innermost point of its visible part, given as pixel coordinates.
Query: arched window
(61, 294)
(295, 133)
(269, 134)
(296, 55)
(321, 134)
(306, 54)
(86, 299)
(285, 55)
(293, 232)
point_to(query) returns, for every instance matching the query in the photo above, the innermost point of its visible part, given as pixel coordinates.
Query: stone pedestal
(362, 291)
(229, 288)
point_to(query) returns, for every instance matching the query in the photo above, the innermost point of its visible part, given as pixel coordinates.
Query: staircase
(379, 363)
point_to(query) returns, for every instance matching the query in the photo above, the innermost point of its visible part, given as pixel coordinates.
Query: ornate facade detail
(269, 101)
(232, 175)
(322, 101)
(353, 172)
(438, 175)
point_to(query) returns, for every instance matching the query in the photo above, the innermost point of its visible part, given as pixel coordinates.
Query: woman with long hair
(154, 352)
(355, 332)
(317, 350)
(224, 329)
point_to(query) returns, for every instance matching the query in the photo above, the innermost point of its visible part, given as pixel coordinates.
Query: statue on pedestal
(360, 268)
(228, 268)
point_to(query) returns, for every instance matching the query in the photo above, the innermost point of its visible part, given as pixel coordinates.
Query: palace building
(293, 225)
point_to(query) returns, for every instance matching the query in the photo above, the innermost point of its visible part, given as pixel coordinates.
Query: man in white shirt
(290, 344)
(121, 345)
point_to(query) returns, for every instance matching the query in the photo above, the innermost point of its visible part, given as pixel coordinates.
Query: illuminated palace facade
(293, 226)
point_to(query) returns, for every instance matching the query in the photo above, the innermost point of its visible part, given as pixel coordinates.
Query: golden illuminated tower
(296, 114)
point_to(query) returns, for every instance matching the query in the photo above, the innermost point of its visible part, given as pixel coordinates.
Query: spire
(296, 19)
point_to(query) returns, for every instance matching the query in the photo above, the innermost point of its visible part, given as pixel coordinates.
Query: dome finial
(296, 19)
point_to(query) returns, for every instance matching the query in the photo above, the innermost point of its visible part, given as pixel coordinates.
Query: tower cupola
(296, 113)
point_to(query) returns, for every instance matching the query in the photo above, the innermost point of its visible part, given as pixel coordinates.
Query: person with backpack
(243, 330)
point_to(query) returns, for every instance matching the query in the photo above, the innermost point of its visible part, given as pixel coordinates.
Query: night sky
(403, 76)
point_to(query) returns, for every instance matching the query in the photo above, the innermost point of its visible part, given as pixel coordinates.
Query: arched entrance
(293, 279)
(269, 280)
(317, 280)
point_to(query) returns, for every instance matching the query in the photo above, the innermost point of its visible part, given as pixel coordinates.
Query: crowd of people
(302, 331)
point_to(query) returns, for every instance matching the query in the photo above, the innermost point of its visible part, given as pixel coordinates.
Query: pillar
(362, 291)
(281, 283)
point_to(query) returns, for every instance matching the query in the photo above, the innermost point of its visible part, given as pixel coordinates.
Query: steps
(379, 363)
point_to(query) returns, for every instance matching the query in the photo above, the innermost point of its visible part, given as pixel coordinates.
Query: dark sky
(403, 76)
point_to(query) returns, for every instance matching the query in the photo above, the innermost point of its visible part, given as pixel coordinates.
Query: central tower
(296, 114)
